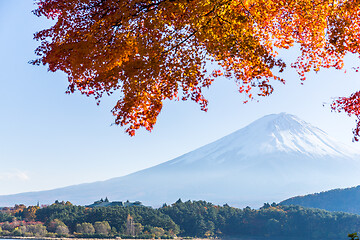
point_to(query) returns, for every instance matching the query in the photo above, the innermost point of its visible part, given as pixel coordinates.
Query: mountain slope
(275, 157)
(341, 200)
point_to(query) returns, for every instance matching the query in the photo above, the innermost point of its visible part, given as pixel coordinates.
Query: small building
(107, 203)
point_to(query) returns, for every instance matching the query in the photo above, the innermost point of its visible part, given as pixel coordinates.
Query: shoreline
(75, 238)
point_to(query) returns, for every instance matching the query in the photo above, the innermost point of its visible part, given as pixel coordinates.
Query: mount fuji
(276, 157)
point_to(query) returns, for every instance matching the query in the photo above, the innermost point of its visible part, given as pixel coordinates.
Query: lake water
(282, 238)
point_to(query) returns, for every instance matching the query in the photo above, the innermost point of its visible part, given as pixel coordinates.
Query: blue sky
(49, 139)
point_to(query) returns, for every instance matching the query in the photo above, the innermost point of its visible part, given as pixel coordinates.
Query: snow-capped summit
(288, 133)
(275, 157)
(271, 134)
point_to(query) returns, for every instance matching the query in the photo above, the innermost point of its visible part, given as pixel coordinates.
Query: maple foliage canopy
(153, 50)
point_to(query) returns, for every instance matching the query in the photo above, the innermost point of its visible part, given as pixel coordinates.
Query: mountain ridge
(271, 159)
(337, 200)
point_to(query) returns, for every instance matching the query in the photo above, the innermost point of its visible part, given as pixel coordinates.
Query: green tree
(7, 226)
(138, 228)
(353, 236)
(157, 232)
(29, 213)
(62, 230)
(38, 230)
(5, 217)
(85, 228)
(16, 232)
(53, 225)
(102, 228)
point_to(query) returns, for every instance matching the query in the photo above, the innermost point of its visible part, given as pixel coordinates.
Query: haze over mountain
(274, 158)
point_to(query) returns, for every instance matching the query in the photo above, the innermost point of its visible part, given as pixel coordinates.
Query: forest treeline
(186, 219)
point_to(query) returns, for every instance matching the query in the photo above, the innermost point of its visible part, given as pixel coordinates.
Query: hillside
(344, 200)
(185, 219)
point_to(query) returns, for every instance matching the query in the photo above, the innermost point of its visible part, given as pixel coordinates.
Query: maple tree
(153, 50)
